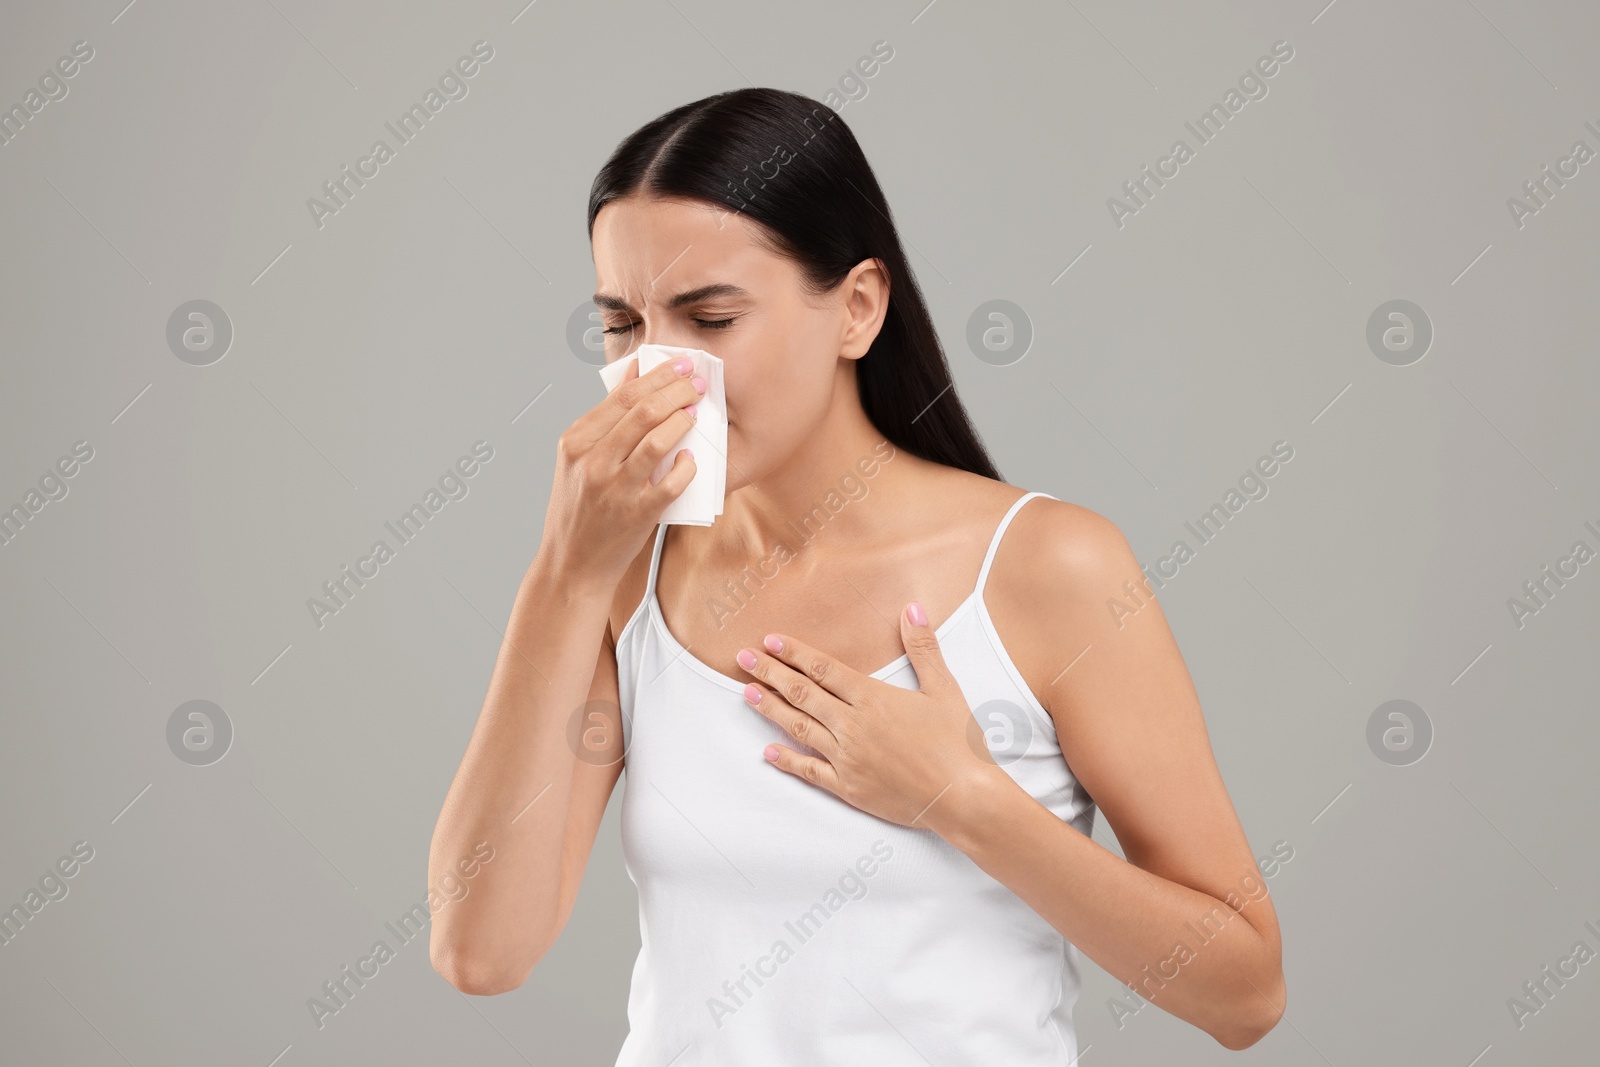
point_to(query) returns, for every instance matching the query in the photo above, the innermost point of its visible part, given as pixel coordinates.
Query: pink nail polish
(752, 694)
(683, 364)
(693, 411)
(771, 752)
(915, 613)
(699, 383)
(747, 659)
(772, 643)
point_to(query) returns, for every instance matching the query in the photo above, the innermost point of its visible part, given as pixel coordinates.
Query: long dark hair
(823, 209)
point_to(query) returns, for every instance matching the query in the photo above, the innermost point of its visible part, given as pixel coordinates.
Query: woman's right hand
(602, 504)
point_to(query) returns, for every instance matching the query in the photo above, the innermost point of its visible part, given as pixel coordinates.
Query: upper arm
(1129, 718)
(599, 764)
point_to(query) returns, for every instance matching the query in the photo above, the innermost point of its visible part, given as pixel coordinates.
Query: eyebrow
(690, 296)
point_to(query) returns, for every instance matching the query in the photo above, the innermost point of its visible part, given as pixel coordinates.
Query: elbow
(478, 979)
(484, 956)
(1256, 1017)
(479, 974)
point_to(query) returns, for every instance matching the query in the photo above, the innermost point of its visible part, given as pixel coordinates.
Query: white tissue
(701, 502)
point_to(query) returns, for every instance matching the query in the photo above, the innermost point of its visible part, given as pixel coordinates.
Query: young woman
(864, 713)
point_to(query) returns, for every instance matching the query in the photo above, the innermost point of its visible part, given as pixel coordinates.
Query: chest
(853, 618)
(704, 814)
(702, 805)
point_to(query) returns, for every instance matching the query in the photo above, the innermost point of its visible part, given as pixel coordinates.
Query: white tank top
(781, 926)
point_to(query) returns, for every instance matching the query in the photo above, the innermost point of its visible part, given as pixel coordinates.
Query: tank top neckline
(651, 607)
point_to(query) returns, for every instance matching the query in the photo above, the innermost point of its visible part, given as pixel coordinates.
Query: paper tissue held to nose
(701, 502)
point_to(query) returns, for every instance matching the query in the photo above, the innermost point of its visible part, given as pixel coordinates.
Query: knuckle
(812, 772)
(799, 729)
(634, 391)
(817, 669)
(649, 448)
(796, 692)
(661, 406)
(652, 408)
(639, 410)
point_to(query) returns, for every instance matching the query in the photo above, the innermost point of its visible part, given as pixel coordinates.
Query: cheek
(735, 389)
(750, 378)
(755, 385)
(772, 377)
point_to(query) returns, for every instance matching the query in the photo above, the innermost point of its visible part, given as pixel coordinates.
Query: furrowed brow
(705, 292)
(612, 303)
(691, 296)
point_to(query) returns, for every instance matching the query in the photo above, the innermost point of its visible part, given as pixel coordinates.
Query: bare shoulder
(1063, 550)
(1063, 579)
(1052, 548)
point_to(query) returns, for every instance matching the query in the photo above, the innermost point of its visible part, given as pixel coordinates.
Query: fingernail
(683, 364)
(689, 452)
(771, 752)
(915, 613)
(699, 383)
(693, 411)
(752, 694)
(772, 643)
(747, 659)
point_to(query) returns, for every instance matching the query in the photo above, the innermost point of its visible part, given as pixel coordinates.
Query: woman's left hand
(889, 751)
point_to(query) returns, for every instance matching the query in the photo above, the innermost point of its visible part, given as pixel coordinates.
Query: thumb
(922, 647)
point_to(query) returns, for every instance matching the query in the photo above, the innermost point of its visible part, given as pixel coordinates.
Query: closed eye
(704, 324)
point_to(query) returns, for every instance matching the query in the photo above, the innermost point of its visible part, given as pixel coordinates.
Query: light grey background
(368, 355)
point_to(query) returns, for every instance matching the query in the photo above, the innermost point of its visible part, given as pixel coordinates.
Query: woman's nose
(672, 337)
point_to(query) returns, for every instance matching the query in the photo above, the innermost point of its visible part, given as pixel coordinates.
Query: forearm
(514, 783)
(1186, 951)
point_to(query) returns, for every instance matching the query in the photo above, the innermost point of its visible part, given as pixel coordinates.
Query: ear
(866, 302)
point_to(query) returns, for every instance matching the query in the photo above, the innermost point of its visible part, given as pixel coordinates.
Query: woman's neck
(846, 478)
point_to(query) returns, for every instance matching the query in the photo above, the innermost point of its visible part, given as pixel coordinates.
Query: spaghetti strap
(655, 562)
(994, 542)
